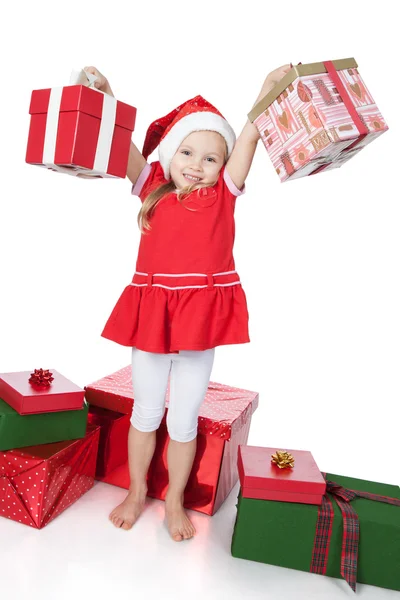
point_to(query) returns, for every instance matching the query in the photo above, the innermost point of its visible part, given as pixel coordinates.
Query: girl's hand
(275, 76)
(101, 82)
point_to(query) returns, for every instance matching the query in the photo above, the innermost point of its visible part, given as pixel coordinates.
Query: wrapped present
(316, 118)
(40, 392)
(223, 425)
(267, 474)
(354, 534)
(18, 431)
(79, 130)
(40, 482)
(113, 447)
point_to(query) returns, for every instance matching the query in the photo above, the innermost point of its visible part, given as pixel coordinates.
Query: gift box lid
(225, 409)
(295, 72)
(258, 472)
(62, 394)
(83, 99)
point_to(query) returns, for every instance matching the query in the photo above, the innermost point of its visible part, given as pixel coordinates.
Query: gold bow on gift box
(283, 459)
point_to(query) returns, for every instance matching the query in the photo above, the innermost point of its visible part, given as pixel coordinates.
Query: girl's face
(198, 159)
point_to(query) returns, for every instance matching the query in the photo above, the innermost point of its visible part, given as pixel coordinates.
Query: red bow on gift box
(41, 377)
(351, 530)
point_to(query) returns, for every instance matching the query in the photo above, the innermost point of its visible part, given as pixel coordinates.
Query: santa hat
(169, 132)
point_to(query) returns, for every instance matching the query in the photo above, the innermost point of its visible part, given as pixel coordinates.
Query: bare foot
(179, 525)
(127, 513)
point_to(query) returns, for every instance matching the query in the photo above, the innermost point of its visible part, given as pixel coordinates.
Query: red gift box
(29, 399)
(113, 448)
(262, 479)
(39, 482)
(224, 423)
(77, 128)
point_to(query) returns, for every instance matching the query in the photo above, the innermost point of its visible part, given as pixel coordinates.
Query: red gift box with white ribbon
(79, 130)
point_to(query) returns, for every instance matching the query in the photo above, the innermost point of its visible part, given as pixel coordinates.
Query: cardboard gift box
(38, 483)
(113, 447)
(224, 423)
(18, 431)
(354, 534)
(261, 478)
(316, 118)
(79, 130)
(30, 398)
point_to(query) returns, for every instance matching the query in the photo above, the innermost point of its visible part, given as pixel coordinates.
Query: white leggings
(190, 374)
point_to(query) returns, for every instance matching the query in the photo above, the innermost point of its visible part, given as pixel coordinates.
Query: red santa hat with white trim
(169, 132)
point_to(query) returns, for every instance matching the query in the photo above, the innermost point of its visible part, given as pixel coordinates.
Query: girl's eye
(187, 152)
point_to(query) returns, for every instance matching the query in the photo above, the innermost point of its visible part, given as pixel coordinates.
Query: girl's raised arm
(136, 163)
(136, 160)
(239, 162)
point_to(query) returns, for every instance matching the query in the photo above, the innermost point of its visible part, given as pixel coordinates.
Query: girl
(185, 297)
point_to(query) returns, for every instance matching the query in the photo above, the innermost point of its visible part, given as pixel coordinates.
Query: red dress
(185, 294)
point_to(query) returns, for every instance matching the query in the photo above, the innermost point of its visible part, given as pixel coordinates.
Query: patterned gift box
(40, 482)
(354, 534)
(18, 431)
(316, 118)
(28, 398)
(79, 130)
(261, 478)
(224, 423)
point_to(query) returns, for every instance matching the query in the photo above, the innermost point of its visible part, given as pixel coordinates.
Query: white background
(318, 259)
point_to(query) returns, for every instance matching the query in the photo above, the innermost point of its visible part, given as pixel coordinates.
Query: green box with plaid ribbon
(300, 536)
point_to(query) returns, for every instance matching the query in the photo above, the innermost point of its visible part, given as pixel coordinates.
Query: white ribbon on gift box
(106, 132)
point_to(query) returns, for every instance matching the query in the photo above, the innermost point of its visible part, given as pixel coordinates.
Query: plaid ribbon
(351, 530)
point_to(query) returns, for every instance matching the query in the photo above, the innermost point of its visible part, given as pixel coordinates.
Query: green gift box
(284, 533)
(19, 431)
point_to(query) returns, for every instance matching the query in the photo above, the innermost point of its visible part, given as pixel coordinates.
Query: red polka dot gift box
(223, 425)
(39, 482)
(316, 118)
(40, 391)
(79, 130)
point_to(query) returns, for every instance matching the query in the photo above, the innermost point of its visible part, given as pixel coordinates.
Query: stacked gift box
(292, 515)
(223, 425)
(53, 444)
(48, 450)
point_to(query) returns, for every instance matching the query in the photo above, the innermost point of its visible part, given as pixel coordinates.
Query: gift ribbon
(106, 132)
(351, 530)
(363, 130)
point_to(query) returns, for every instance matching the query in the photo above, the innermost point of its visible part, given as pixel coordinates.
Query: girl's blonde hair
(151, 201)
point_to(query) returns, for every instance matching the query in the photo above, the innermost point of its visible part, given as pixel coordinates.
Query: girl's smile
(198, 159)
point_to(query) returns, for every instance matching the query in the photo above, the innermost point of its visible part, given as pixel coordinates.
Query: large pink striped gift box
(316, 118)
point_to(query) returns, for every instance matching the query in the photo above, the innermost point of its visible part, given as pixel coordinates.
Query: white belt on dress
(186, 280)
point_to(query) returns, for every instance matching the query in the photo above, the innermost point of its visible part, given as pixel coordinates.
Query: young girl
(185, 297)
